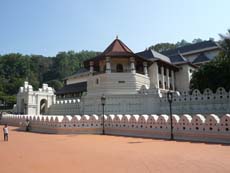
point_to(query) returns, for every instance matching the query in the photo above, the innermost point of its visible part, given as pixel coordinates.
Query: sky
(46, 27)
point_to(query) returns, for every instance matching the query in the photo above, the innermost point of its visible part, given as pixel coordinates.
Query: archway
(43, 106)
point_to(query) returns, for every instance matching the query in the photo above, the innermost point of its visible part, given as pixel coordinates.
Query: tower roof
(117, 48)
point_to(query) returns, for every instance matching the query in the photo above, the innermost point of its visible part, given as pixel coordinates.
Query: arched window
(120, 68)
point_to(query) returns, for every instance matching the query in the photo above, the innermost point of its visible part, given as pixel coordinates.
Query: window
(97, 81)
(120, 68)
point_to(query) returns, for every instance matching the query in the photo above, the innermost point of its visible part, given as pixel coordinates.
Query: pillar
(153, 75)
(173, 79)
(132, 65)
(145, 68)
(91, 67)
(167, 78)
(163, 77)
(108, 65)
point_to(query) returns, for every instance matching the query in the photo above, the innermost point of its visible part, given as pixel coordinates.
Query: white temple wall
(211, 129)
(183, 77)
(148, 102)
(116, 83)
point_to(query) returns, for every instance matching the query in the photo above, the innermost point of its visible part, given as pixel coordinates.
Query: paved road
(44, 153)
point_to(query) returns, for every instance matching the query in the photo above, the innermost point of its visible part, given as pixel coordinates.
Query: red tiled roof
(117, 48)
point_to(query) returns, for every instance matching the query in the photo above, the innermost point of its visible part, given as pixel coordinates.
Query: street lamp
(170, 99)
(103, 99)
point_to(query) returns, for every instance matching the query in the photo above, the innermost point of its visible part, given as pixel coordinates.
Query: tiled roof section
(82, 70)
(200, 58)
(191, 47)
(178, 58)
(73, 88)
(117, 48)
(153, 55)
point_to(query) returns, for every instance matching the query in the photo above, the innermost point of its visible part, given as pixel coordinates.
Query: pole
(103, 119)
(170, 112)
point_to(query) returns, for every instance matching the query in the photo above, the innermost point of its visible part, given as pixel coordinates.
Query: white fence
(208, 128)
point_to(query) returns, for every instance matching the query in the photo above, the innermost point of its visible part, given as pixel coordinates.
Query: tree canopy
(160, 47)
(15, 68)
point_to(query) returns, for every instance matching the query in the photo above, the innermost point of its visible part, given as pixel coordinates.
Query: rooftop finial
(116, 36)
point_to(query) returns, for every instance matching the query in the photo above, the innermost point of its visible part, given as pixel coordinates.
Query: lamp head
(169, 96)
(103, 99)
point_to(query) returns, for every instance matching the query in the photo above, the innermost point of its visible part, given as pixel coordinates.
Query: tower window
(97, 81)
(120, 68)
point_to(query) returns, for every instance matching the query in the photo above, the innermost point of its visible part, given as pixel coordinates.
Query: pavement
(27, 152)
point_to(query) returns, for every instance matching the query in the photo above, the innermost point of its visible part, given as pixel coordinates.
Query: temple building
(132, 83)
(120, 71)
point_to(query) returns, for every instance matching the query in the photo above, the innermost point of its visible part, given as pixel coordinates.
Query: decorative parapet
(210, 128)
(197, 102)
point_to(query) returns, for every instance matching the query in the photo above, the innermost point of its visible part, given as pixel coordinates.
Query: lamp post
(170, 99)
(78, 103)
(103, 99)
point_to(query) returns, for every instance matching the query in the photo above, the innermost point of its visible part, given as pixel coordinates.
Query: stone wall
(148, 101)
(209, 128)
(209, 102)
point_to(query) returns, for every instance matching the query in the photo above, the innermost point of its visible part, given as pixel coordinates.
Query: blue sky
(47, 27)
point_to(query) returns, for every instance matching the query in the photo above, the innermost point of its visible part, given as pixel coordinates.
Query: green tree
(56, 84)
(197, 40)
(160, 47)
(182, 43)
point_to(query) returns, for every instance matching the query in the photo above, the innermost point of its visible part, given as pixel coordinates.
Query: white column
(163, 77)
(157, 75)
(167, 78)
(173, 80)
(108, 65)
(145, 68)
(91, 67)
(132, 65)
(153, 75)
